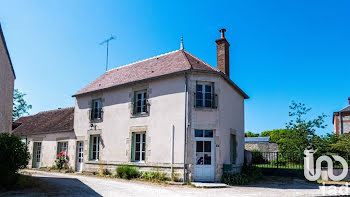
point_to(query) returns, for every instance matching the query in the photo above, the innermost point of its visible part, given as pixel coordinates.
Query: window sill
(139, 115)
(205, 109)
(96, 120)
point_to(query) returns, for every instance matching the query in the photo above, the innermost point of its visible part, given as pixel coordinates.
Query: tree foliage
(13, 155)
(251, 134)
(20, 106)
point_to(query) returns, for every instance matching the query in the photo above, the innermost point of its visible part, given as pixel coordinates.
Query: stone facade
(7, 78)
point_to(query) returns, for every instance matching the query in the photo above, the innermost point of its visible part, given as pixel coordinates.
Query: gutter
(185, 129)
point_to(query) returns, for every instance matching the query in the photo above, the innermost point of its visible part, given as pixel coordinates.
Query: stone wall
(262, 147)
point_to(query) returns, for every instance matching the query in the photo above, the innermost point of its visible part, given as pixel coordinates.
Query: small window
(96, 109)
(205, 95)
(94, 147)
(138, 146)
(62, 146)
(140, 102)
(203, 133)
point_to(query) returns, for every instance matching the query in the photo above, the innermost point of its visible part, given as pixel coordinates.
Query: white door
(80, 156)
(37, 152)
(204, 156)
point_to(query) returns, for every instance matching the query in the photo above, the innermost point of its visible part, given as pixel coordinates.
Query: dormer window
(96, 110)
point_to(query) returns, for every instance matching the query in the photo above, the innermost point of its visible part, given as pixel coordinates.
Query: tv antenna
(107, 42)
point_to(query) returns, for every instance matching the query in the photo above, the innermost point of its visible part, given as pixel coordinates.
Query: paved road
(78, 185)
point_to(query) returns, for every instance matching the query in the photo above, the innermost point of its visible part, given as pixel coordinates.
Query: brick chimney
(349, 100)
(222, 53)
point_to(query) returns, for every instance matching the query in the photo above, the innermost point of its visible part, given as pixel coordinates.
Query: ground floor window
(94, 147)
(138, 146)
(62, 146)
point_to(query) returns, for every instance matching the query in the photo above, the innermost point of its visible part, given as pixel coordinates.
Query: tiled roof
(53, 121)
(346, 109)
(169, 63)
(257, 139)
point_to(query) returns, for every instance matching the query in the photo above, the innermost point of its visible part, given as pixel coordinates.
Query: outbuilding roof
(162, 65)
(53, 121)
(257, 139)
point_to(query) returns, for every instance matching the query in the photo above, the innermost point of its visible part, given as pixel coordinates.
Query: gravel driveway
(78, 185)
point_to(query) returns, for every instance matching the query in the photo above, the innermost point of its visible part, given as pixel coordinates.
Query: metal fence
(277, 160)
(285, 160)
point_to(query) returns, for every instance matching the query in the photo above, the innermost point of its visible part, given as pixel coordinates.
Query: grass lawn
(280, 166)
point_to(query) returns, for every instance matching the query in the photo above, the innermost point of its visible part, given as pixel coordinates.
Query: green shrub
(249, 174)
(13, 156)
(257, 157)
(235, 179)
(127, 172)
(154, 176)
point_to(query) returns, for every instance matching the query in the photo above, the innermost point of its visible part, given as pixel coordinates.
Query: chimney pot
(222, 53)
(222, 32)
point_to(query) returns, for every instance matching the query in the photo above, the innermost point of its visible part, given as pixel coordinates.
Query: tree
(13, 156)
(275, 135)
(20, 106)
(342, 144)
(251, 134)
(301, 131)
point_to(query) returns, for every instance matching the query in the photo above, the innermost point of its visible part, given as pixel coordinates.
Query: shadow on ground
(284, 183)
(48, 186)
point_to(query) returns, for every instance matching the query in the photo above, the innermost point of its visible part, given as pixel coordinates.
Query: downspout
(341, 123)
(172, 151)
(185, 129)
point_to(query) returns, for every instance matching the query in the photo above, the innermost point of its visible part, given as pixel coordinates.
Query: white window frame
(96, 107)
(143, 99)
(141, 150)
(97, 148)
(203, 92)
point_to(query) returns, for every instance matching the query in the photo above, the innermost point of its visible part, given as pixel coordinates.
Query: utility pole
(107, 42)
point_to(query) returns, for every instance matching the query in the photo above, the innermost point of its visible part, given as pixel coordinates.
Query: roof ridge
(126, 65)
(187, 60)
(212, 67)
(44, 112)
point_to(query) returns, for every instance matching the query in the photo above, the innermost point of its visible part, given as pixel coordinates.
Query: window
(140, 102)
(138, 146)
(96, 110)
(62, 146)
(204, 95)
(94, 147)
(204, 133)
(204, 143)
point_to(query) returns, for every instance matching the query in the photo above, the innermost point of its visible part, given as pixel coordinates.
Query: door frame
(77, 157)
(35, 150)
(213, 158)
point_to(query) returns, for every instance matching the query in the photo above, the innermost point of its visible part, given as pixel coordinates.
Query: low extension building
(47, 134)
(341, 120)
(7, 77)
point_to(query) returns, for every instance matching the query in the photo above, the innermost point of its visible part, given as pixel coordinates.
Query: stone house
(341, 120)
(261, 144)
(172, 112)
(46, 134)
(7, 77)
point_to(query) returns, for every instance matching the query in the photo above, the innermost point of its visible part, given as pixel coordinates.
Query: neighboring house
(341, 120)
(7, 77)
(46, 134)
(170, 112)
(261, 144)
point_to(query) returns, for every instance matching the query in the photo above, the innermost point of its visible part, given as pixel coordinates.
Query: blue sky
(280, 50)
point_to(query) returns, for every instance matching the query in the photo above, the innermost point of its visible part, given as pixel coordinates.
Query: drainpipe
(185, 133)
(172, 151)
(341, 123)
